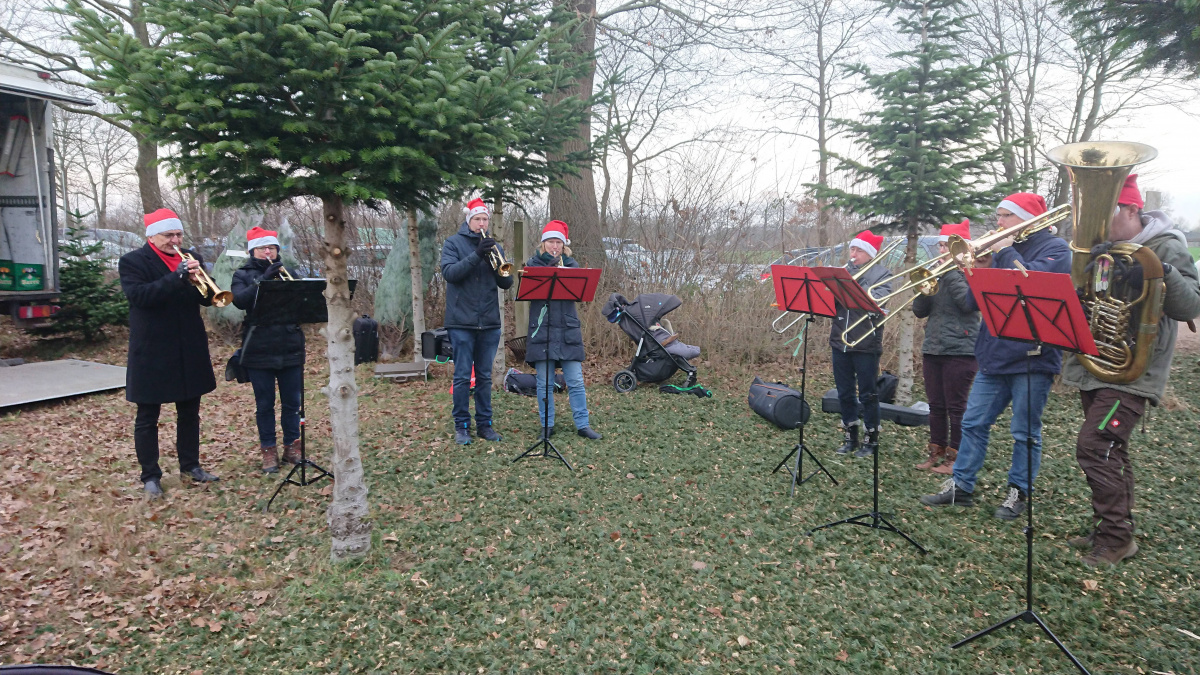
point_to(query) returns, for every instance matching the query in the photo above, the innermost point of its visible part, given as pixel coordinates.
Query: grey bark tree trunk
(575, 201)
(146, 168)
(498, 363)
(418, 286)
(349, 528)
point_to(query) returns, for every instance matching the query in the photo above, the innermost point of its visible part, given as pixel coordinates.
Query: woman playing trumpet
(270, 354)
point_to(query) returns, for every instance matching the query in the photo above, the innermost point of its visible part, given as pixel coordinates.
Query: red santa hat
(257, 237)
(868, 241)
(555, 229)
(962, 229)
(1130, 194)
(162, 220)
(1025, 205)
(476, 207)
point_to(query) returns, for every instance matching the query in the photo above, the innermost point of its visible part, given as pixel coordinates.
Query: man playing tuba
(1111, 411)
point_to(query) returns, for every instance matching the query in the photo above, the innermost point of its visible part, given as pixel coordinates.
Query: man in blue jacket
(473, 319)
(1002, 378)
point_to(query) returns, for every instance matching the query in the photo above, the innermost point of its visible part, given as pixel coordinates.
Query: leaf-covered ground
(671, 548)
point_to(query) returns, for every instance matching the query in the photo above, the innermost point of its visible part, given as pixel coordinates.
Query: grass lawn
(671, 548)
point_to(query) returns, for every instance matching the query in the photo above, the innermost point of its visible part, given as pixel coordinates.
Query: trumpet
(880, 256)
(923, 277)
(496, 259)
(205, 284)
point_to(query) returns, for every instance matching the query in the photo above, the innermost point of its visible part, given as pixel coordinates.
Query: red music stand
(574, 284)
(849, 294)
(1041, 308)
(799, 289)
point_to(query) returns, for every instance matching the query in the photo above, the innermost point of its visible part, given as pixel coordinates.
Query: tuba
(1097, 171)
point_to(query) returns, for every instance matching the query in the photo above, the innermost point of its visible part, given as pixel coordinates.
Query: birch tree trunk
(348, 525)
(418, 287)
(907, 330)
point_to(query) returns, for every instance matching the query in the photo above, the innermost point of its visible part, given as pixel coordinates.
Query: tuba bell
(1097, 171)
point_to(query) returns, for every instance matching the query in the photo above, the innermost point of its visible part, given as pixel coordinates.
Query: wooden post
(520, 255)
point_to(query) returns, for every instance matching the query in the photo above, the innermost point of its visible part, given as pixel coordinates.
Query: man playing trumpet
(168, 347)
(472, 272)
(1007, 373)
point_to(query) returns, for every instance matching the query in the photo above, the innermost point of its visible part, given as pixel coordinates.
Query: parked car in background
(836, 256)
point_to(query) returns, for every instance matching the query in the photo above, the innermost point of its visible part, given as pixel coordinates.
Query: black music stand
(852, 296)
(292, 302)
(1041, 308)
(574, 284)
(798, 289)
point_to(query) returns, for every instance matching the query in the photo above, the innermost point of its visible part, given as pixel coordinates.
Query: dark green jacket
(953, 322)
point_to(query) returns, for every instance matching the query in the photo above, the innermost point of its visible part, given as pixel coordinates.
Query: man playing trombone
(473, 266)
(168, 346)
(859, 364)
(1002, 378)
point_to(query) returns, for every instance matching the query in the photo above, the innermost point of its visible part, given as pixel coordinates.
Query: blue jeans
(291, 381)
(849, 369)
(473, 348)
(573, 374)
(990, 395)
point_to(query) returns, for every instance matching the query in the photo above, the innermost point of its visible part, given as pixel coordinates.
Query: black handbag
(779, 404)
(235, 371)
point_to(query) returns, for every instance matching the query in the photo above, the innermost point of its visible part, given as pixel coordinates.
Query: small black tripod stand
(996, 314)
(800, 449)
(304, 463)
(547, 448)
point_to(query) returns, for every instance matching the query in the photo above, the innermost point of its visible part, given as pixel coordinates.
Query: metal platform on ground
(402, 372)
(50, 380)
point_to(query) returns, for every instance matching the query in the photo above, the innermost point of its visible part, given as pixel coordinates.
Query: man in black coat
(168, 347)
(473, 319)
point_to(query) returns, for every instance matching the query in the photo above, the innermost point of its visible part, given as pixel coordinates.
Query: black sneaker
(949, 495)
(462, 436)
(589, 433)
(487, 433)
(199, 475)
(850, 444)
(1013, 505)
(153, 489)
(870, 447)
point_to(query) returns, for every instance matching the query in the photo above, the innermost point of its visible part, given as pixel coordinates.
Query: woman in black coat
(555, 336)
(270, 354)
(168, 347)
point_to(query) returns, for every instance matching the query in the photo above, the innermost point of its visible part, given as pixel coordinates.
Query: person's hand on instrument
(1003, 243)
(485, 244)
(273, 270)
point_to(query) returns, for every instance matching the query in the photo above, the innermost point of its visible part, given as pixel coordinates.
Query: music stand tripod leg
(304, 461)
(548, 449)
(800, 449)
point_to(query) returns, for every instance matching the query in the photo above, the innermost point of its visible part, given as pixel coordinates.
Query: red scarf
(171, 260)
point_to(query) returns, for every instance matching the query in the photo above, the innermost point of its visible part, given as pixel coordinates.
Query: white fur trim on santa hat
(555, 234)
(261, 241)
(164, 225)
(1016, 210)
(859, 243)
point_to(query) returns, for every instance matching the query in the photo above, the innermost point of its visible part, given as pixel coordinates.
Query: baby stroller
(659, 353)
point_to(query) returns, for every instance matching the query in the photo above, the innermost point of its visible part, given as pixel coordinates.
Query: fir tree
(88, 301)
(927, 156)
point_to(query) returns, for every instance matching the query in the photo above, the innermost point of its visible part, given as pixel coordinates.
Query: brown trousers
(1102, 451)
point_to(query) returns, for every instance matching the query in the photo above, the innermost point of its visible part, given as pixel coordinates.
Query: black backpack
(779, 404)
(885, 387)
(525, 384)
(366, 340)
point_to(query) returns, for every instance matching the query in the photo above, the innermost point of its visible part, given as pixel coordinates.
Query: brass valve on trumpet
(207, 287)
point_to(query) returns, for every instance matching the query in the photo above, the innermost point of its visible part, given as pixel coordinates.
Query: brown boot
(935, 457)
(270, 459)
(291, 452)
(946, 468)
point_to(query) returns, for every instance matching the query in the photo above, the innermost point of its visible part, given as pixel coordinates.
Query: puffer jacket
(953, 326)
(557, 331)
(266, 347)
(1043, 251)
(471, 283)
(1181, 302)
(846, 317)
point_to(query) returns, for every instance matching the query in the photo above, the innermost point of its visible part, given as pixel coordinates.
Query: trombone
(205, 284)
(879, 256)
(924, 277)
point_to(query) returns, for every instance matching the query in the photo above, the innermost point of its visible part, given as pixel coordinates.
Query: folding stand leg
(1028, 616)
(547, 448)
(878, 521)
(304, 462)
(800, 449)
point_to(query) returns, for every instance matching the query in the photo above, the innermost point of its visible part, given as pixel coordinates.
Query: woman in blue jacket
(556, 338)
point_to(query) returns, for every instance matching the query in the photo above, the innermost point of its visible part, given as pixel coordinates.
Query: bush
(88, 300)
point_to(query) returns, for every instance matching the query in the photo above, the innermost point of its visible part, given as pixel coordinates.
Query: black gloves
(1167, 269)
(485, 244)
(272, 270)
(182, 269)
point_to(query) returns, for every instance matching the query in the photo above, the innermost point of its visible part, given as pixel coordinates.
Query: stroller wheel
(624, 382)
